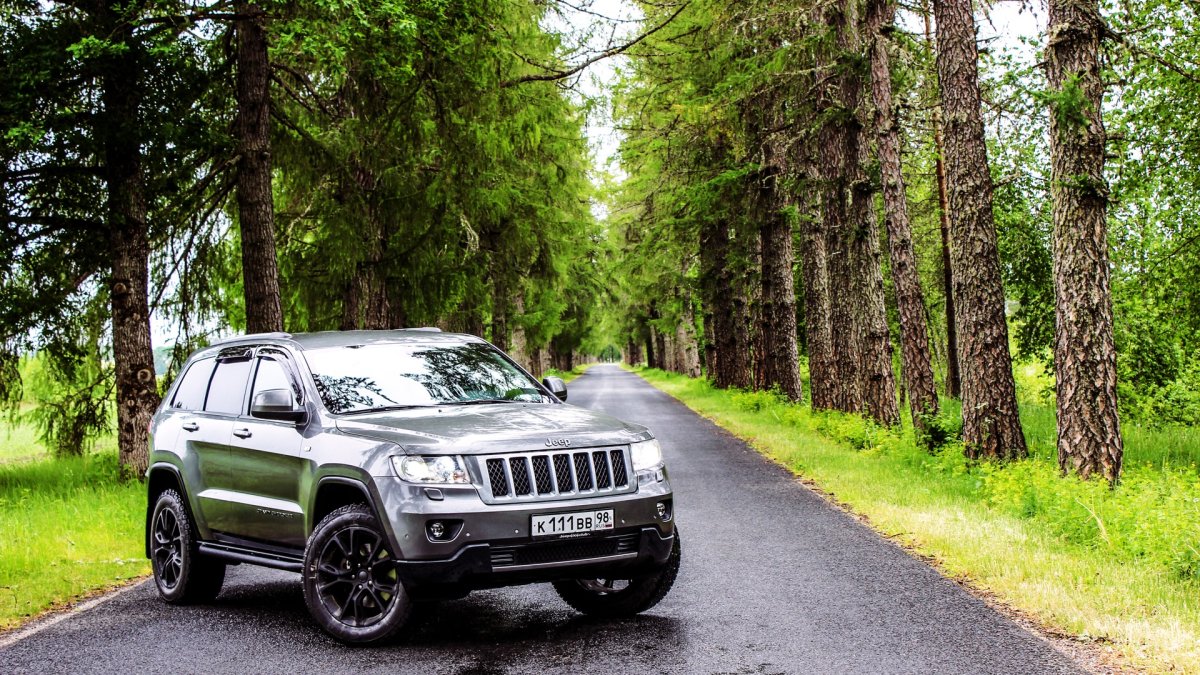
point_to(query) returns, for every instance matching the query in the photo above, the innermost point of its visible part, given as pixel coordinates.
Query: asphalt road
(774, 580)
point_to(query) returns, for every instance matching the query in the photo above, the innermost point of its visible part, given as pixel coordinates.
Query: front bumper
(474, 566)
(492, 544)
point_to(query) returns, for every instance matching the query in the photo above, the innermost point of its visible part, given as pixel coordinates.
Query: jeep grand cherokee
(389, 466)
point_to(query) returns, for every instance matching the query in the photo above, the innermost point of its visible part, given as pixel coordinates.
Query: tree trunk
(256, 208)
(714, 241)
(1085, 360)
(724, 294)
(660, 349)
(916, 362)
(133, 355)
(878, 384)
(499, 312)
(633, 352)
(822, 368)
(366, 305)
(685, 334)
(779, 358)
(991, 423)
(953, 379)
(837, 163)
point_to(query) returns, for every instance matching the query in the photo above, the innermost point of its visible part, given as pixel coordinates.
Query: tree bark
(685, 335)
(256, 208)
(779, 357)
(915, 359)
(953, 379)
(845, 342)
(822, 368)
(133, 355)
(1085, 359)
(878, 385)
(991, 423)
(633, 352)
(725, 294)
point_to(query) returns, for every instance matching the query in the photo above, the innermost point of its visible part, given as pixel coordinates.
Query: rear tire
(351, 583)
(616, 598)
(182, 575)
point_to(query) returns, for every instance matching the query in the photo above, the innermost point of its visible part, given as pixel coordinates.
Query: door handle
(242, 433)
(190, 426)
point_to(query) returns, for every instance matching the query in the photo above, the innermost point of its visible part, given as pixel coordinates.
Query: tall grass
(68, 527)
(1115, 565)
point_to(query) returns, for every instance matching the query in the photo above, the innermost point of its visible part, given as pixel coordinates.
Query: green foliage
(1069, 105)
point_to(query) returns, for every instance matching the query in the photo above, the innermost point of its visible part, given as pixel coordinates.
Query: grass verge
(1112, 568)
(568, 375)
(69, 528)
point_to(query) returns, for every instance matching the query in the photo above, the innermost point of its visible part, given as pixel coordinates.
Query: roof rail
(427, 329)
(280, 335)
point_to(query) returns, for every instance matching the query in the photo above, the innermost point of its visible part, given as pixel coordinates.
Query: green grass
(1119, 567)
(69, 527)
(571, 374)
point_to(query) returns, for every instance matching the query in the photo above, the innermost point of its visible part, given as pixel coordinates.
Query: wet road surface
(773, 580)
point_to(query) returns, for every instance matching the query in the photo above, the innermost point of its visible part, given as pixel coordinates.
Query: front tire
(616, 598)
(351, 583)
(182, 575)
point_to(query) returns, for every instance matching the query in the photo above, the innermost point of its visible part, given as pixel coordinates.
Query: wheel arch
(162, 476)
(334, 492)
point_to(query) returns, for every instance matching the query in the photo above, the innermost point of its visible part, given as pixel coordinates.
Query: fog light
(437, 530)
(664, 511)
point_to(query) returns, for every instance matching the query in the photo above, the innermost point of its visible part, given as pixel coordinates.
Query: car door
(265, 456)
(205, 434)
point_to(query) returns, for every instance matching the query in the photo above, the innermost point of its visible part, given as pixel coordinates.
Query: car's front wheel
(614, 598)
(182, 575)
(351, 584)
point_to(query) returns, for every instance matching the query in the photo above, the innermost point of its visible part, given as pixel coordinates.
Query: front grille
(557, 475)
(563, 551)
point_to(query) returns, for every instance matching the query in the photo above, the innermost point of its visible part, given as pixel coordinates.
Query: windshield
(361, 378)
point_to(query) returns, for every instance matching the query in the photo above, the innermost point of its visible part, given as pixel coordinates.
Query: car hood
(490, 428)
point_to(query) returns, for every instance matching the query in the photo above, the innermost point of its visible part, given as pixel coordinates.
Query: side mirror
(277, 404)
(556, 387)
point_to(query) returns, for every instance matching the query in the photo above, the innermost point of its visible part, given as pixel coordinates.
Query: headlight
(646, 455)
(441, 469)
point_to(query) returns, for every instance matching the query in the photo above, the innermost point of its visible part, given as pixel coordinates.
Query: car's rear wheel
(614, 598)
(182, 575)
(351, 583)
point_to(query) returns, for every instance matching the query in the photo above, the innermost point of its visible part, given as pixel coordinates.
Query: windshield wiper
(478, 401)
(385, 409)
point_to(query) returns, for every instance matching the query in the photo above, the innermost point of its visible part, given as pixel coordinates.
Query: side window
(270, 375)
(189, 395)
(228, 387)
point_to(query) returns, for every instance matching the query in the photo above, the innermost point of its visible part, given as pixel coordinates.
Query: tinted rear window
(189, 395)
(228, 387)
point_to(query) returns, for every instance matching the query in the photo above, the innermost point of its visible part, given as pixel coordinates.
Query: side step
(238, 554)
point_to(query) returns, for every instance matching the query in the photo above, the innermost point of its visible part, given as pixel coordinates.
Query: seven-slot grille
(557, 475)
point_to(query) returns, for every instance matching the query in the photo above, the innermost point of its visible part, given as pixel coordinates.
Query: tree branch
(555, 75)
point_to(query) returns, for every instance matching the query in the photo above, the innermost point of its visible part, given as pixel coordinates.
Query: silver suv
(393, 466)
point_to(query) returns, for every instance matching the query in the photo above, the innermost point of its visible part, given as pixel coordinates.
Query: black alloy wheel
(352, 585)
(356, 577)
(167, 550)
(182, 575)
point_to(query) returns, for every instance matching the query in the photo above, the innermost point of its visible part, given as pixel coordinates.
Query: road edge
(58, 613)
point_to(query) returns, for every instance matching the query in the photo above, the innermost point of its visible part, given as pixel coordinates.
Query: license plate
(572, 523)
